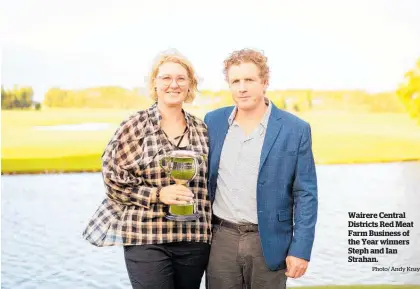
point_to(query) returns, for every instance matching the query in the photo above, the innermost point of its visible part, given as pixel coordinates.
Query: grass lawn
(363, 138)
(338, 137)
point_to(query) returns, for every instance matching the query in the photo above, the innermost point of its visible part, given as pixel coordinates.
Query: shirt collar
(155, 117)
(264, 119)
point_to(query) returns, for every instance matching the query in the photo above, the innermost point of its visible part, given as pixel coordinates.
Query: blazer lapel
(273, 129)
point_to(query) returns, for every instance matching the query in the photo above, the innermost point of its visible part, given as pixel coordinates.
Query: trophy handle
(166, 158)
(200, 159)
(197, 165)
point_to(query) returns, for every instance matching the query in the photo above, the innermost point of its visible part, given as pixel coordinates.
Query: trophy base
(183, 218)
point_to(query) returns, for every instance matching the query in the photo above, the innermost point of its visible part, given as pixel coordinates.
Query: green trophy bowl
(183, 166)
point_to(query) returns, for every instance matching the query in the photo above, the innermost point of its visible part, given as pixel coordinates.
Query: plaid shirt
(130, 169)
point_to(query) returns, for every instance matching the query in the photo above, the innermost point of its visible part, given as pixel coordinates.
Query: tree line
(18, 98)
(407, 96)
(99, 97)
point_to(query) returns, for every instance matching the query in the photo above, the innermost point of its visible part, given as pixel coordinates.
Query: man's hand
(296, 267)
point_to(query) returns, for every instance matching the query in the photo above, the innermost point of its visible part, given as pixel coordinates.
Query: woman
(159, 253)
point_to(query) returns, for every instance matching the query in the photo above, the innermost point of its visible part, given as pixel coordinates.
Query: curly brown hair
(248, 55)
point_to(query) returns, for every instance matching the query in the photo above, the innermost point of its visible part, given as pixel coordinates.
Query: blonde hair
(245, 56)
(174, 57)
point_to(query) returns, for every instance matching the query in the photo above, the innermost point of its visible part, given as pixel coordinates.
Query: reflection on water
(43, 217)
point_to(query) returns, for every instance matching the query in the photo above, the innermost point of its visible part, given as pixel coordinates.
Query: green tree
(3, 97)
(409, 91)
(17, 97)
(25, 96)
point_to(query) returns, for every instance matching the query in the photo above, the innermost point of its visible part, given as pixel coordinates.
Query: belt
(242, 228)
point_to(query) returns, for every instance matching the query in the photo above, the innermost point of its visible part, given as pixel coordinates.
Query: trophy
(182, 166)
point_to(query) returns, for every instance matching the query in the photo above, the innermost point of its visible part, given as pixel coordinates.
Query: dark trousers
(236, 262)
(167, 266)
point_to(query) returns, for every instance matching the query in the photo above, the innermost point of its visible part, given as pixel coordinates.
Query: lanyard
(180, 140)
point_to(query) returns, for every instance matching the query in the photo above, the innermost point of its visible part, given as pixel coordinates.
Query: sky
(322, 44)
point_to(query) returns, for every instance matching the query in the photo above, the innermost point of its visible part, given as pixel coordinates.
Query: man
(262, 182)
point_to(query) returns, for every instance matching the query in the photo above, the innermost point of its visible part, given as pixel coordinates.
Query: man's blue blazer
(287, 198)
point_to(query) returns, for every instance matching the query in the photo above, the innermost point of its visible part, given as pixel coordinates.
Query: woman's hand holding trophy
(176, 195)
